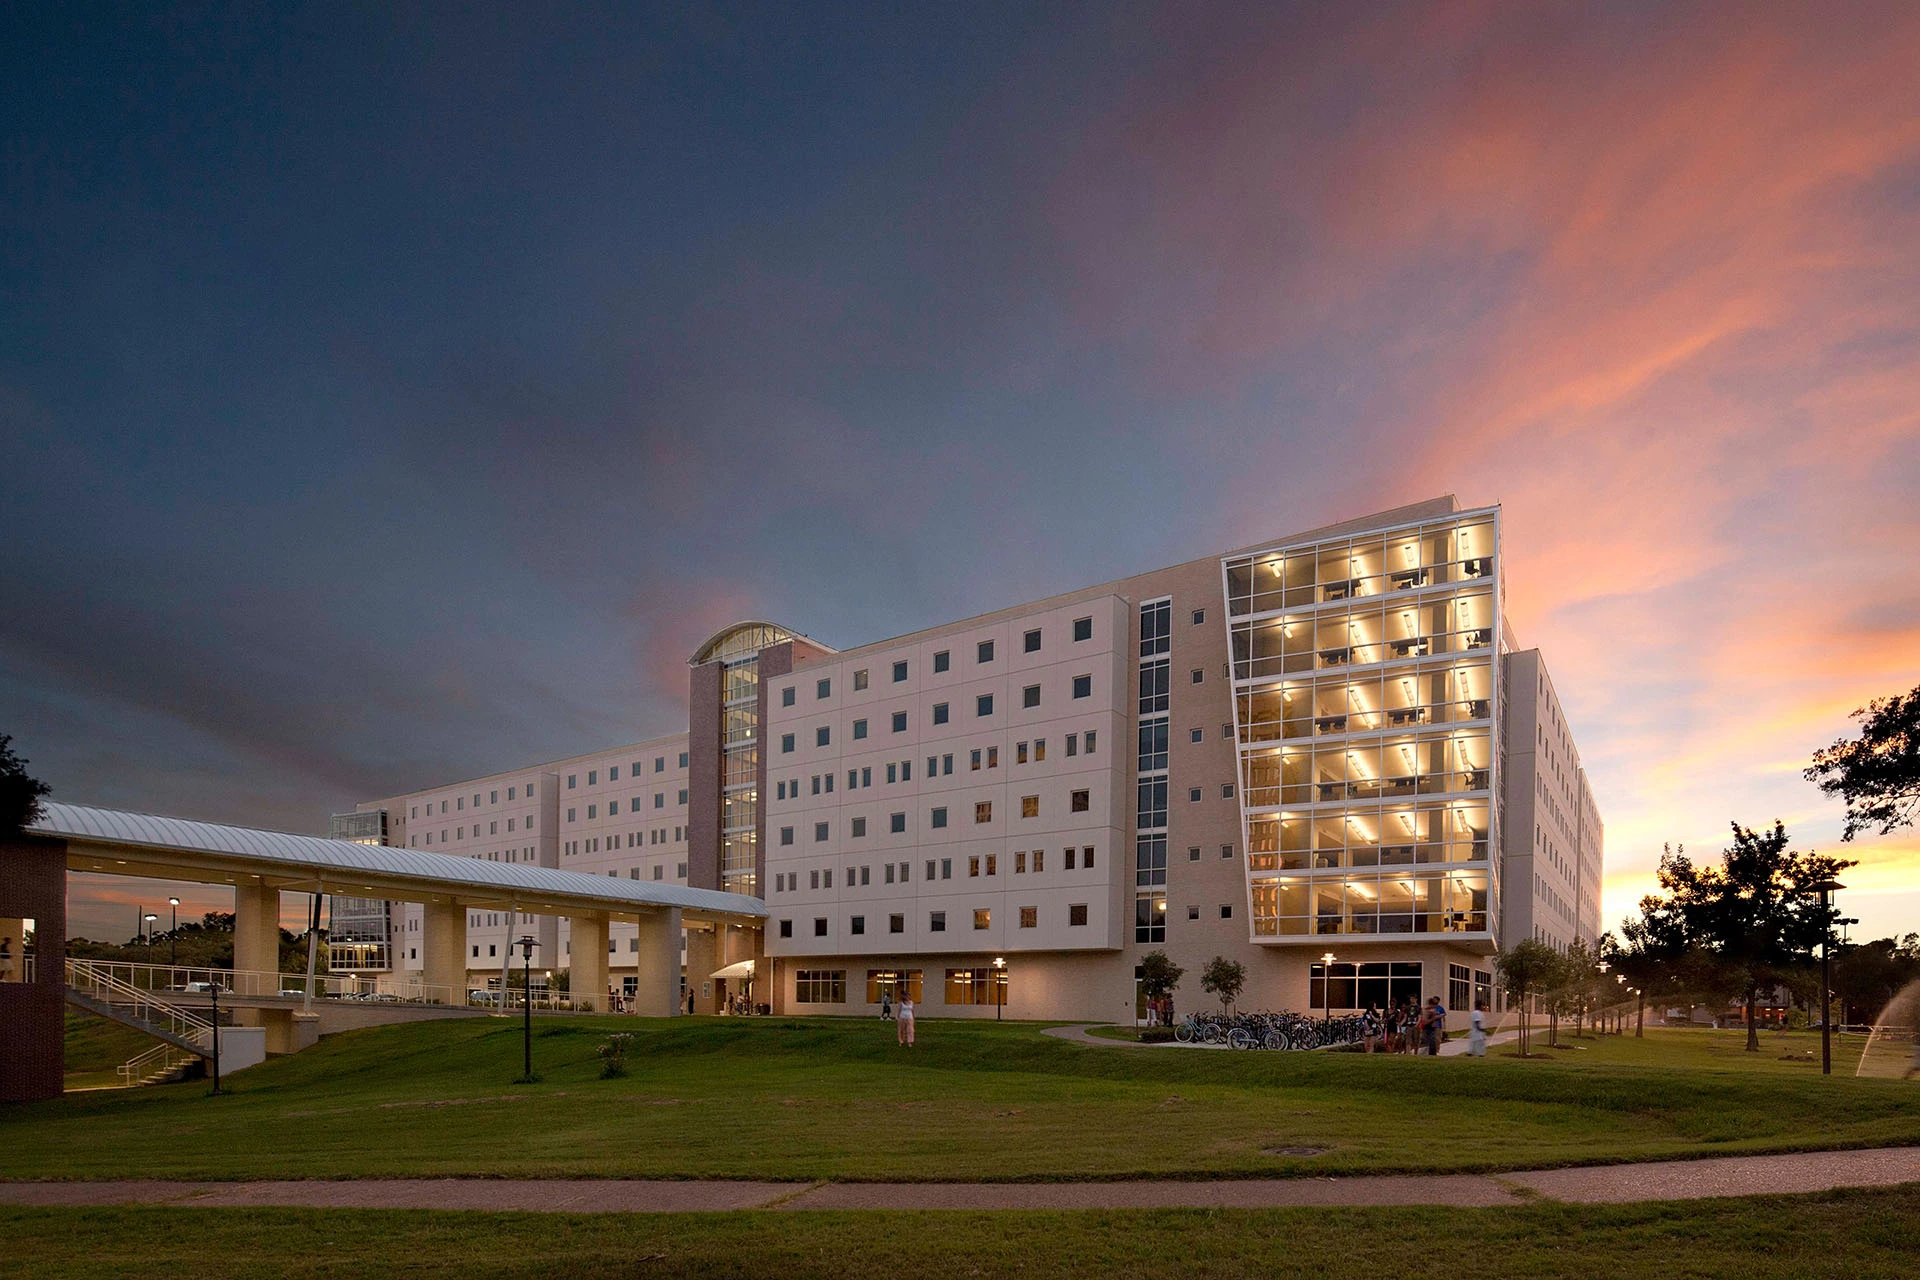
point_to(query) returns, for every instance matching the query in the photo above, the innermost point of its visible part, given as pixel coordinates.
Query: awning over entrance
(740, 969)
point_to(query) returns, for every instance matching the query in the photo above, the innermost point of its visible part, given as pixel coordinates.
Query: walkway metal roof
(143, 844)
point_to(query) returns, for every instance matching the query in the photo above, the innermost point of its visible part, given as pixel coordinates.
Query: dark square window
(819, 832)
(896, 822)
(786, 743)
(942, 661)
(1199, 674)
(786, 696)
(1193, 854)
(1080, 802)
(786, 928)
(1193, 793)
(940, 817)
(1199, 616)
(1031, 641)
(1030, 696)
(1083, 628)
(819, 927)
(983, 705)
(1192, 736)
(896, 924)
(1083, 686)
(937, 922)
(1226, 911)
(939, 713)
(824, 689)
(857, 925)
(823, 735)
(859, 827)
(899, 722)
(1077, 913)
(859, 680)
(786, 835)
(899, 672)
(985, 651)
(859, 729)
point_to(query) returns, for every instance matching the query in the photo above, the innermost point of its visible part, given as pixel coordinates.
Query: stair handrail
(139, 1067)
(179, 1020)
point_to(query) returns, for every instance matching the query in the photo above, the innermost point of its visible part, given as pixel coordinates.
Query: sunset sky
(391, 395)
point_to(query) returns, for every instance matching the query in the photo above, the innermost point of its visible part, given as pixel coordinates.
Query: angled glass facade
(1366, 716)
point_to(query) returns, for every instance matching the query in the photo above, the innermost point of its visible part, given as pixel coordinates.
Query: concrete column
(657, 963)
(587, 962)
(256, 929)
(256, 947)
(703, 957)
(443, 949)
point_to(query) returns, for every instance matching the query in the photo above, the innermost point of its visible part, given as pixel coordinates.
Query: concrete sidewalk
(1604, 1184)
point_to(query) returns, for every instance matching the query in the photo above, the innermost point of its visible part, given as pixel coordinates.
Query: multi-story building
(1553, 834)
(1318, 756)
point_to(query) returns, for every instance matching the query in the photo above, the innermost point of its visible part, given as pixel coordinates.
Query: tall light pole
(999, 986)
(527, 944)
(1827, 889)
(150, 918)
(173, 935)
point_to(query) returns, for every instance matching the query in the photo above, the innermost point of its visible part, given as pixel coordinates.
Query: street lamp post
(213, 994)
(999, 986)
(1618, 1027)
(173, 935)
(150, 918)
(527, 944)
(1827, 889)
(1326, 989)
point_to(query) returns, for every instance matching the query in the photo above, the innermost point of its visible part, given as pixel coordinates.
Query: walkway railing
(101, 982)
(162, 981)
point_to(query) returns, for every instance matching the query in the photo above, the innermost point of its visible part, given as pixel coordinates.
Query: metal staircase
(185, 1034)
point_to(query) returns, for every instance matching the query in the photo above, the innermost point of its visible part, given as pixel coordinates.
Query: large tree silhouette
(19, 792)
(1757, 914)
(1878, 773)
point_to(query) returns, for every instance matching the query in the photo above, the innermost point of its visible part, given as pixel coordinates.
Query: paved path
(1607, 1184)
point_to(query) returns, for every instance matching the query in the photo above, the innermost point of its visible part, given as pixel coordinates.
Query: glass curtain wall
(359, 930)
(1150, 816)
(1365, 706)
(739, 654)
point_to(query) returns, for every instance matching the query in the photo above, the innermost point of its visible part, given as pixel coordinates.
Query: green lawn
(826, 1098)
(1860, 1235)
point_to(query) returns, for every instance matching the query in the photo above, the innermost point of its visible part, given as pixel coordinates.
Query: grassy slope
(838, 1099)
(96, 1047)
(1863, 1235)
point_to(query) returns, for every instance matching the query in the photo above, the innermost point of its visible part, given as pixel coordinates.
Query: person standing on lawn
(903, 1021)
(1434, 1024)
(1477, 1031)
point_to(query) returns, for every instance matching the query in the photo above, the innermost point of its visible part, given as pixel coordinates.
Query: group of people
(1159, 1011)
(1410, 1027)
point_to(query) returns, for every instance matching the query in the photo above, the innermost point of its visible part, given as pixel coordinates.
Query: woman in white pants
(903, 1020)
(1477, 1031)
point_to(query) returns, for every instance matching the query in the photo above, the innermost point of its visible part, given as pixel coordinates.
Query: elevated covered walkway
(260, 865)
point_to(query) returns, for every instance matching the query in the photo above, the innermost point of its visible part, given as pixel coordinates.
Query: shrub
(613, 1055)
(1156, 1035)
